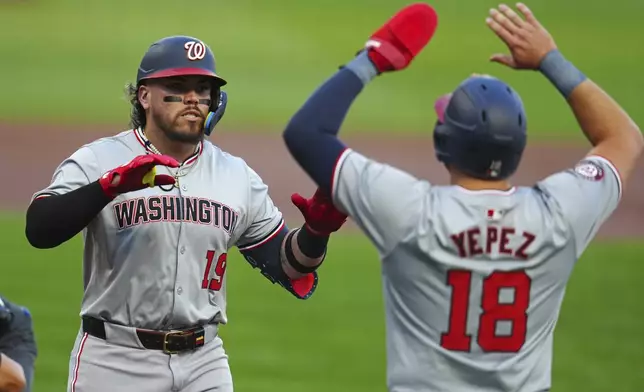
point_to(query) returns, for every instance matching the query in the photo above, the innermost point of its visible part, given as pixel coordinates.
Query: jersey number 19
(215, 282)
(492, 311)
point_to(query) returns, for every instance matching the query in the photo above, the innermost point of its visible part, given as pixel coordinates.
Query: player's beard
(179, 130)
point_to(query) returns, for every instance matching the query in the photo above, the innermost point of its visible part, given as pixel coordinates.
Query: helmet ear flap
(440, 142)
(217, 110)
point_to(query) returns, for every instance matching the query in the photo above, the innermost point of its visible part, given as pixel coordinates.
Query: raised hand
(320, 215)
(527, 39)
(397, 42)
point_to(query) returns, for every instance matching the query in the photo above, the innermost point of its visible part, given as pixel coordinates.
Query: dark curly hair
(137, 113)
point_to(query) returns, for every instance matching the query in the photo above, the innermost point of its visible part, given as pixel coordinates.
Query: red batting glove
(396, 43)
(320, 215)
(138, 174)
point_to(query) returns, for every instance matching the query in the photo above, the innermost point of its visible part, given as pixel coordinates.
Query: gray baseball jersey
(155, 259)
(474, 280)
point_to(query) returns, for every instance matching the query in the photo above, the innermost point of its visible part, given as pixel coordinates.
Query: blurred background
(64, 67)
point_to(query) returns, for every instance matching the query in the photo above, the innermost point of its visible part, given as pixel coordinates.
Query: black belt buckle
(177, 341)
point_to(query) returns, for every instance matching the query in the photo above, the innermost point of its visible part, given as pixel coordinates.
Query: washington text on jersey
(169, 208)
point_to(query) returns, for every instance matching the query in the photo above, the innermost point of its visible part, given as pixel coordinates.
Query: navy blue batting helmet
(182, 55)
(481, 129)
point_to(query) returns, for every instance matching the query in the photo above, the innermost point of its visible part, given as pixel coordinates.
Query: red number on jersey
(220, 269)
(492, 311)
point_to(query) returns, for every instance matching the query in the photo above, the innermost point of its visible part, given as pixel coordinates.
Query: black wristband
(290, 257)
(311, 245)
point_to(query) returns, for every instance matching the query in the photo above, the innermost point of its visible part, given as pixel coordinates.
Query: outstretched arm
(305, 248)
(289, 266)
(383, 201)
(609, 129)
(291, 257)
(588, 193)
(311, 135)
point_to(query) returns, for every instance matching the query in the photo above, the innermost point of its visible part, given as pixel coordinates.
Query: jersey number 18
(492, 311)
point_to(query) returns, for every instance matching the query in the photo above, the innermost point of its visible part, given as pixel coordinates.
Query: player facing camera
(171, 199)
(185, 108)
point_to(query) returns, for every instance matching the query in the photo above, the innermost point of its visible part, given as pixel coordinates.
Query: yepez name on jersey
(493, 240)
(474, 271)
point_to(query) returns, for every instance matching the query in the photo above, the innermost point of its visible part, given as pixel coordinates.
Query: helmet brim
(170, 72)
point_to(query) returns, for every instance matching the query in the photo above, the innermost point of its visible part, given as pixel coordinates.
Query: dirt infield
(30, 154)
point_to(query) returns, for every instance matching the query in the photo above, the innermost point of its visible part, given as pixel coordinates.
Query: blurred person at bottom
(17, 348)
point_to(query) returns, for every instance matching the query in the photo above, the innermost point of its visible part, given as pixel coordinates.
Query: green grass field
(277, 343)
(68, 60)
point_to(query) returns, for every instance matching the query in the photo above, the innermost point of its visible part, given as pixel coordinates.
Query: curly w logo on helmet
(196, 50)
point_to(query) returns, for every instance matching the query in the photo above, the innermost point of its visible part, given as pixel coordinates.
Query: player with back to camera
(474, 272)
(159, 207)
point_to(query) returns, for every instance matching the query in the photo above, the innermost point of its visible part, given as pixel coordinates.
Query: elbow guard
(266, 257)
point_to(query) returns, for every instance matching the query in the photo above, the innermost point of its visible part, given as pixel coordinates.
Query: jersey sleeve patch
(589, 170)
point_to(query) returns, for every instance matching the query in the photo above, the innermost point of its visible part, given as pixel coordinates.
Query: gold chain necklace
(179, 172)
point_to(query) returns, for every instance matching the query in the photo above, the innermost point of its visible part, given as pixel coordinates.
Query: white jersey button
(183, 250)
(179, 290)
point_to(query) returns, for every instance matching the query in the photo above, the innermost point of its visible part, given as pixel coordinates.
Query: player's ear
(144, 96)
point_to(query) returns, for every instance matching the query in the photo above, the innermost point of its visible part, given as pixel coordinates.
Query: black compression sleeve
(55, 219)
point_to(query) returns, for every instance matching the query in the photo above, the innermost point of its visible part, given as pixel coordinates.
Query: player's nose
(191, 97)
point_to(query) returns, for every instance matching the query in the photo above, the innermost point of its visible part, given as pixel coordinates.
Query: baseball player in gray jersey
(159, 208)
(474, 272)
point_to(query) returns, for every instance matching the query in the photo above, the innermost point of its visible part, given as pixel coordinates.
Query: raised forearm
(302, 252)
(599, 115)
(311, 134)
(606, 125)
